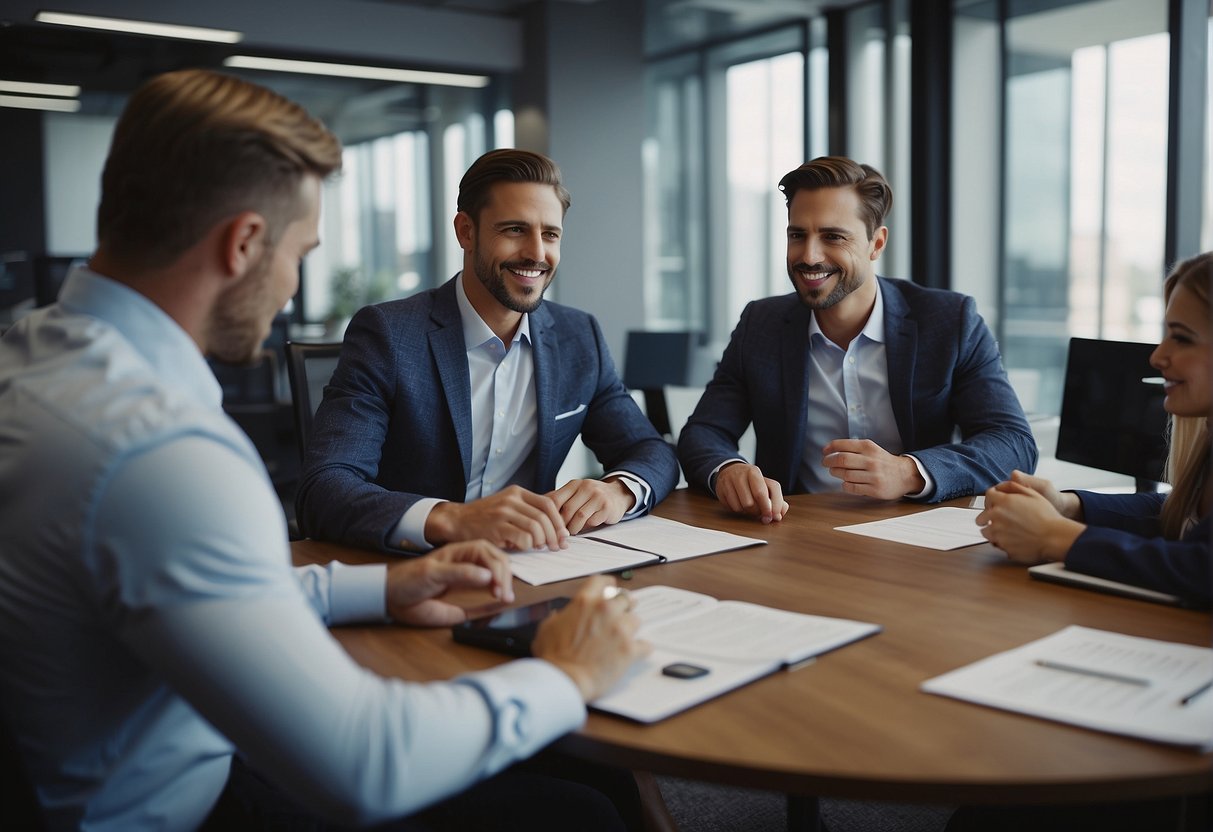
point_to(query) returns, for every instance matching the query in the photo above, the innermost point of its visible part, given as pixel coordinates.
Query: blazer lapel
(794, 359)
(901, 347)
(450, 357)
(546, 350)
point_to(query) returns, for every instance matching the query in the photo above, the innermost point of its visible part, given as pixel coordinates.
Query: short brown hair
(507, 165)
(196, 146)
(875, 195)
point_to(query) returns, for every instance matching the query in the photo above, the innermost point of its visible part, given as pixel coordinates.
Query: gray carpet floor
(707, 807)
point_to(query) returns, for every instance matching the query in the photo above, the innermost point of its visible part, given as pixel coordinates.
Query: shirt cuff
(716, 470)
(640, 489)
(930, 487)
(533, 702)
(357, 593)
(410, 531)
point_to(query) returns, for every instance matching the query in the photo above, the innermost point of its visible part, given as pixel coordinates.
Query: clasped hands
(1030, 520)
(864, 467)
(515, 518)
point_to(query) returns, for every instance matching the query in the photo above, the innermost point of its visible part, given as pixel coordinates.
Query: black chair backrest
(309, 368)
(653, 360)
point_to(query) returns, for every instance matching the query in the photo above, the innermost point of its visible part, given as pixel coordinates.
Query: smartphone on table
(510, 631)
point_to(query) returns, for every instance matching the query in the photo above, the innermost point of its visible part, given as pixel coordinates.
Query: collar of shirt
(873, 330)
(476, 332)
(160, 340)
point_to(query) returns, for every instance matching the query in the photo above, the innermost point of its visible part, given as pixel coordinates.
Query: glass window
(725, 124)
(1086, 156)
(878, 112)
(394, 197)
(675, 277)
(765, 140)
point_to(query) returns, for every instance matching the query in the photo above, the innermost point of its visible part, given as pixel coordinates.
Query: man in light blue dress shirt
(150, 621)
(853, 382)
(450, 412)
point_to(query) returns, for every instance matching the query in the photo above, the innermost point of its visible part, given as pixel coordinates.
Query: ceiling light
(25, 88)
(374, 73)
(25, 102)
(139, 27)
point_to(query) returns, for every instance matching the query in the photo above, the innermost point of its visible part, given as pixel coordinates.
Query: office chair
(309, 368)
(1112, 415)
(652, 361)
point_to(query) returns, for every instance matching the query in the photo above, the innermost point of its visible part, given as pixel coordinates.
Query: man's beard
(238, 325)
(845, 285)
(494, 281)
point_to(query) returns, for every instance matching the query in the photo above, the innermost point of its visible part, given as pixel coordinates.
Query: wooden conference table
(854, 724)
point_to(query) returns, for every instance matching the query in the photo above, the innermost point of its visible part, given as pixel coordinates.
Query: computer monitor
(1112, 416)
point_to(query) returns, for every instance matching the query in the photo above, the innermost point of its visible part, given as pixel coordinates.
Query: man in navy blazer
(853, 382)
(451, 412)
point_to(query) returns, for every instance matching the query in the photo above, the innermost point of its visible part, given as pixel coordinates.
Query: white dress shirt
(150, 618)
(849, 398)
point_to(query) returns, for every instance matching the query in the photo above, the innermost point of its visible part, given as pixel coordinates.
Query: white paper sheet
(735, 642)
(1097, 679)
(583, 557)
(939, 528)
(670, 539)
(640, 542)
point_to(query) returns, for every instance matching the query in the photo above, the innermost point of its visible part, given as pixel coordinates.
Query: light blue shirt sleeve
(198, 584)
(343, 594)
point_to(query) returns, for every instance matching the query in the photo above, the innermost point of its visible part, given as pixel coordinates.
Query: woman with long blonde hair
(1145, 539)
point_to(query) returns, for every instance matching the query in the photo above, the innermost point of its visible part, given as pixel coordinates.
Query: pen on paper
(1090, 671)
(1202, 689)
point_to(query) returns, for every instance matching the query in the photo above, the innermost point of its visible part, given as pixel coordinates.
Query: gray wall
(595, 109)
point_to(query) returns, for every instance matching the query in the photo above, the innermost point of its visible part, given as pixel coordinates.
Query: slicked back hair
(195, 147)
(875, 195)
(507, 165)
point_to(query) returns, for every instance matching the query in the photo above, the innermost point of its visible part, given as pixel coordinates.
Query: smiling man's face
(829, 252)
(516, 243)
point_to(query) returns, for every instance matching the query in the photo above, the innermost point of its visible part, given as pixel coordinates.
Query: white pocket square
(573, 412)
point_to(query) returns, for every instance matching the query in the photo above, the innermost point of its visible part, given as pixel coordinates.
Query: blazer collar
(901, 349)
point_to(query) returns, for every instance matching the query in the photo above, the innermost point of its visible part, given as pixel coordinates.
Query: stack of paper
(1139, 687)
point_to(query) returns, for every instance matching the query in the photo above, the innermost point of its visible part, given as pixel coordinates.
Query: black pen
(1197, 692)
(1090, 671)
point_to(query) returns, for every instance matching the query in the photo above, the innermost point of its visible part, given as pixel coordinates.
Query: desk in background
(854, 724)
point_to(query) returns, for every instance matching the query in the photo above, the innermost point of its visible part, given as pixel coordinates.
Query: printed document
(937, 528)
(640, 542)
(1138, 687)
(734, 641)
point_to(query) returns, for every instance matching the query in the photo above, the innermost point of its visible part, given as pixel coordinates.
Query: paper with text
(1097, 679)
(938, 528)
(670, 539)
(583, 557)
(640, 542)
(735, 641)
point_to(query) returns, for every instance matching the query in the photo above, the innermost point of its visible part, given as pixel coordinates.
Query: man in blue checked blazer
(856, 383)
(451, 412)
